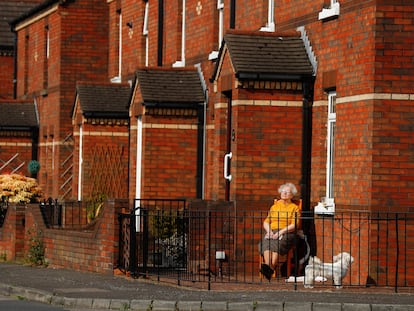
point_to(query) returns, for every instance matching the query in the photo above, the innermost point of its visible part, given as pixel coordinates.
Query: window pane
(332, 104)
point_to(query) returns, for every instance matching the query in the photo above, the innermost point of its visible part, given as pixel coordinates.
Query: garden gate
(153, 236)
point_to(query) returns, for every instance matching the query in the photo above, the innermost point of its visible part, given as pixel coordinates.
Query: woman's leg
(266, 268)
(267, 257)
(274, 260)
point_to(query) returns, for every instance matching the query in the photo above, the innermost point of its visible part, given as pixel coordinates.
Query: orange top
(281, 215)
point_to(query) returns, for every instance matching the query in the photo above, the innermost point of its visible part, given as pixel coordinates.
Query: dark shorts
(281, 246)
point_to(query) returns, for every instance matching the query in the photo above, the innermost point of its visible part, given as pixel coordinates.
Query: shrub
(17, 188)
(36, 254)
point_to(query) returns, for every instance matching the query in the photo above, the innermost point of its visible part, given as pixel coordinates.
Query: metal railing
(142, 239)
(69, 214)
(222, 246)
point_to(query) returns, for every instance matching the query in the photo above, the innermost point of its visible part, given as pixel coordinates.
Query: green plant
(36, 253)
(33, 167)
(163, 224)
(94, 206)
(3, 257)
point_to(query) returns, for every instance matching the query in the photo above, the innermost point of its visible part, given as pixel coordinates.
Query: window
(117, 79)
(331, 145)
(47, 42)
(145, 26)
(181, 63)
(145, 32)
(220, 7)
(270, 25)
(331, 12)
(46, 60)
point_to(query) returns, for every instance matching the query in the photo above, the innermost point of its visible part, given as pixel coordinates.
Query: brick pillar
(12, 233)
(108, 234)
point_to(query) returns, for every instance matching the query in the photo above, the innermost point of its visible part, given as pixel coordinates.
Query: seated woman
(280, 226)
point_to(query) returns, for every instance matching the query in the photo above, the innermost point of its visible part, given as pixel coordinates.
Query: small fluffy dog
(335, 270)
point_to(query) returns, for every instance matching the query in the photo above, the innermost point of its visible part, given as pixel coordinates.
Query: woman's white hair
(291, 186)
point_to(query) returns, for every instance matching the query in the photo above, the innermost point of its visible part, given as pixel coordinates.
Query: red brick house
(19, 119)
(19, 132)
(361, 73)
(9, 11)
(318, 93)
(101, 142)
(167, 134)
(58, 44)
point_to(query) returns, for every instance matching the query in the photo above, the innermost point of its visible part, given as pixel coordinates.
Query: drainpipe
(232, 14)
(306, 142)
(160, 31)
(80, 163)
(201, 137)
(200, 152)
(15, 65)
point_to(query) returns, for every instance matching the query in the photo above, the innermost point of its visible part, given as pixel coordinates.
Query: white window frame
(330, 150)
(270, 25)
(145, 31)
(331, 12)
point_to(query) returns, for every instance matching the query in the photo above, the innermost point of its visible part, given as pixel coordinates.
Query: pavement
(84, 290)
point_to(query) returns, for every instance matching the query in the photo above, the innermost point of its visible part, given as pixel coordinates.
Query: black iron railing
(209, 246)
(69, 214)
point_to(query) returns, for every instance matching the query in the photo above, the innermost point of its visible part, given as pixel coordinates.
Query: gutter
(15, 65)
(272, 76)
(193, 105)
(305, 184)
(110, 114)
(160, 32)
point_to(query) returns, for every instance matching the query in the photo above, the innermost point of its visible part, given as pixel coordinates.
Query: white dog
(336, 270)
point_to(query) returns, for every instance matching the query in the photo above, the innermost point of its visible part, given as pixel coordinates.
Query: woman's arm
(266, 227)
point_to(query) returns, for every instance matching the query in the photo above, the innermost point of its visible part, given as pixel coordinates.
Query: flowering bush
(17, 188)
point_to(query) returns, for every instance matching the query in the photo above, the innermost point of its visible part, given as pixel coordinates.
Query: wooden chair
(288, 258)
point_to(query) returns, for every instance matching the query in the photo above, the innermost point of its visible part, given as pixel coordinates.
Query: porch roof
(177, 87)
(103, 100)
(18, 115)
(265, 56)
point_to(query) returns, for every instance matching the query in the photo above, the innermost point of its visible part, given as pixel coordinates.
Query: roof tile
(104, 98)
(18, 114)
(9, 10)
(170, 86)
(263, 53)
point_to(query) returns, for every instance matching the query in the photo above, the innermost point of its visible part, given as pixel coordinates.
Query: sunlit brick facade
(318, 93)
(361, 53)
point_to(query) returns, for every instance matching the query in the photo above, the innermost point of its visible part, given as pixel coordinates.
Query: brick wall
(16, 150)
(12, 234)
(6, 76)
(95, 249)
(169, 159)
